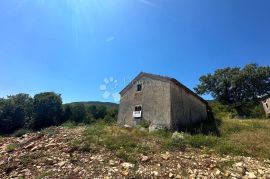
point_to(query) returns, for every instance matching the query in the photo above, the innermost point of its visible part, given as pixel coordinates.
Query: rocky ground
(49, 154)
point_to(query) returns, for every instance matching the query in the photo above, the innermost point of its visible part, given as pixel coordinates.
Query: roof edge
(163, 78)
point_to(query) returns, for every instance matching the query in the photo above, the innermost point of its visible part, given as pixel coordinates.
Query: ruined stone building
(266, 105)
(160, 101)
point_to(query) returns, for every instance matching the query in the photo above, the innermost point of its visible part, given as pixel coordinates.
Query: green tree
(236, 86)
(111, 115)
(98, 112)
(47, 110)
(67, 113)
(79, 113)
(15, 112)
(23, 109)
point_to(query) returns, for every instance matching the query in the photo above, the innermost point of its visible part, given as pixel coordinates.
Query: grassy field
(228, 136)
(245, 137)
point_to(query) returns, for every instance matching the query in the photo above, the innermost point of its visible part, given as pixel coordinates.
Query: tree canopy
(22, 111)
(236, 86)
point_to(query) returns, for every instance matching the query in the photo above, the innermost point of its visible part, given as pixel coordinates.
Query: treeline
(46, 109)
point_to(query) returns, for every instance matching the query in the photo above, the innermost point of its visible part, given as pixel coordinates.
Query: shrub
(50, 132)
(199, 141)
(11, 147)
(145, 124)
(79, 113)
(47, 110)
(176, 144)
(69, 124)
(21, 132)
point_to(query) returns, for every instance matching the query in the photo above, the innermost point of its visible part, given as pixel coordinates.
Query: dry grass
(237, 137)
(245, 137)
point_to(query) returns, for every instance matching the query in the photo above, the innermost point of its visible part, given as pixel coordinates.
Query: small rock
(124, 173)
(261, 172)
(34, 149)
(30, 145)
(111, 163)
(218, 172)
(171, 175)
(155, 173)
(76, 170)
(61, 164)
(165, 156)
(145, 158)
(251, 175)
(127, 165)
(239, 164)
(178, 136)
(127, 126)
(153, 128)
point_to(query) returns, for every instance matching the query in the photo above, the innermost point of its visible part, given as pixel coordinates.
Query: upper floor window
(138, 108)
(139, 87)
(266, 105)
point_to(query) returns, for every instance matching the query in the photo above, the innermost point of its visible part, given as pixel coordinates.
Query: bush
(145, 124)
(21, 132)
(199, 141)
(14, 112)
(47, 110)
(11, 147)
(176, 144)
(69, 124)
(246, 110)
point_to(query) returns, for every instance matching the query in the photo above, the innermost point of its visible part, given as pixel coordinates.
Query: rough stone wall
(266, 106)
(186, 109)
(155, 101)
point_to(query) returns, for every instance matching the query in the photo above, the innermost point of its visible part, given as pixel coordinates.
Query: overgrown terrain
(102, 150)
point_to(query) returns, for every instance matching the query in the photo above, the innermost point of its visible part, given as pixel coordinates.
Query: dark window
(139, 87)
(138, 108)
(266, 105)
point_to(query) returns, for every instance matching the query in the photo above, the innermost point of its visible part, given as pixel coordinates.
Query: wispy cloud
(110, 39)
(147, 2)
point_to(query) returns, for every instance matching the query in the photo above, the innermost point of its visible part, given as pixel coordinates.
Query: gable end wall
(155, 100)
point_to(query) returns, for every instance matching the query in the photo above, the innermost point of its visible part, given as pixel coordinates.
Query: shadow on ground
(210, 126)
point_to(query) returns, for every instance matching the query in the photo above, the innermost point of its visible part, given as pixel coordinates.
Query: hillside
(109, 151)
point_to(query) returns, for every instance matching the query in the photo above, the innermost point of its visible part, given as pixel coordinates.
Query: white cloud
(147, 2)
(109, 39)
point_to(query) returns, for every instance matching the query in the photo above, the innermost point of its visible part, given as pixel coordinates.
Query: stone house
(266, 105)
(160, 101)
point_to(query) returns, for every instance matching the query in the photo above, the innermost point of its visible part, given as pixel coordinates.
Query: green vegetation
(45, 175)
(21, 132)
(50, 132)
(125, 143)
(21, 113)
(251, 110)
(229, 130)
(11, 147)
(236, 137)
(239, 88)
(47, 109)
(29, 158)
(69, 124)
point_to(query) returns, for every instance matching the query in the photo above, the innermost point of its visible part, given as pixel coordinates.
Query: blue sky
(71, 46)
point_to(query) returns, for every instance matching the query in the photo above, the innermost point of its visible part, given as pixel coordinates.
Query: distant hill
(96, 103)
